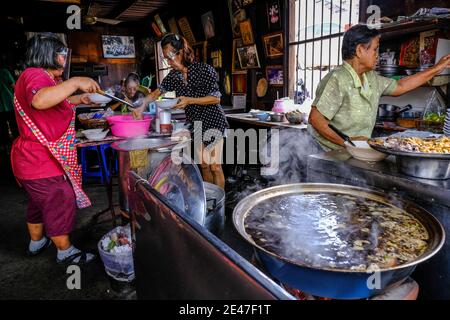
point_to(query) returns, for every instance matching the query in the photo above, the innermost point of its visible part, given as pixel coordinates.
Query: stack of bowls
(447, 123)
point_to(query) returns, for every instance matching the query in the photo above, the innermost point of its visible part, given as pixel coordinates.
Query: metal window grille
(319, 27)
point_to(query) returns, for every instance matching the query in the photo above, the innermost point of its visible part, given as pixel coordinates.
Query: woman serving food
(348, 96)
(44, 156)
(195, 85)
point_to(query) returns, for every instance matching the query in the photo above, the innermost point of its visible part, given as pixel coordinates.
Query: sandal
(70, 259)
(47, 244)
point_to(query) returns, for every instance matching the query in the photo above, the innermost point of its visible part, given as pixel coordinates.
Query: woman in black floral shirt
(195, 84)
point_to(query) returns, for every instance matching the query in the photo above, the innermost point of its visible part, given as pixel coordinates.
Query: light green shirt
(348, 104)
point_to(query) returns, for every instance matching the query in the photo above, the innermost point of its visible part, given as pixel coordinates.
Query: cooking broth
(337, 231)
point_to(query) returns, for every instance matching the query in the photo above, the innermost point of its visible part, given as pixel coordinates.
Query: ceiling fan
(91, 17)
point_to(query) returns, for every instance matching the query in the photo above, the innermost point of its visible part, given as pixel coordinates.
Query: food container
(263, 116)
(126, 127)
(95, 134)
(434, 166)
(364, 152)
(322, 281)
(283, 105)
(277, 117)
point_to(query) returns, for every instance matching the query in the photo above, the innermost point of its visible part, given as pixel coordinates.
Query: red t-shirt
(30, 159)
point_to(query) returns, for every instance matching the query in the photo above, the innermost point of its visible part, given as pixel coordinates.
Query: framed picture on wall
(274, 75)
(240, 83)
(208, 25)
(235, 64)
(160, 24)
(118, 47)
(274, 15)
(173, 26)
(248, 57)
(246, 32)
(273, 44)
(237, 14)
(186, 30)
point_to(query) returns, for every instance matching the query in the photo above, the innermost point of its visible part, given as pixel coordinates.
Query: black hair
(356, 35)
(42, 51)
(133, 76)
(179, 43)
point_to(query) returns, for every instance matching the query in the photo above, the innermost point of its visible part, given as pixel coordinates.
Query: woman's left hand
(182, 103)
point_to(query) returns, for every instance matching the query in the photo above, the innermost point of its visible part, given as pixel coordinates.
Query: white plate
(98, 98)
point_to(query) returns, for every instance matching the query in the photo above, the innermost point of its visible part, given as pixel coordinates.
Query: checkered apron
(64, 151)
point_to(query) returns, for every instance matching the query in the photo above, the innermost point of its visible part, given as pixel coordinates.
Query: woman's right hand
(87, 84)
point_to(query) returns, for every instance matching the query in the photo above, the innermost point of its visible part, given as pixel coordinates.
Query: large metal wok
(434, 166)
(329, 282)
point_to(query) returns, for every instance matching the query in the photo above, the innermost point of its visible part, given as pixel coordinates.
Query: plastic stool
(102, 161)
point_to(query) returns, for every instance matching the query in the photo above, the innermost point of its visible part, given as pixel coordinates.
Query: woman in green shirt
(348, 96)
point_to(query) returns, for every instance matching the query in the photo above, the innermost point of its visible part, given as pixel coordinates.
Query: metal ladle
(130, 106)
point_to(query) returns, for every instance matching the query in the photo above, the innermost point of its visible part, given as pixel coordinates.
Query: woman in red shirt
(44, 155)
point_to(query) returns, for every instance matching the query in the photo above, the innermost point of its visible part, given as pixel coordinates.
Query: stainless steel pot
(215, 208)
(327, 282)
(390, 111)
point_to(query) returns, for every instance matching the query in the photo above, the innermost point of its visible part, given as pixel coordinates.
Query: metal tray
(442, 156)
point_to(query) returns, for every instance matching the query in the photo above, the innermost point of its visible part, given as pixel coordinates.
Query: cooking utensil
(341, 134)
(389, 112)
(117, 99)
(329, 282)
(434, 166)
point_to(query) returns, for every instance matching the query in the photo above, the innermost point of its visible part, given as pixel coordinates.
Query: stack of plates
(447, 123)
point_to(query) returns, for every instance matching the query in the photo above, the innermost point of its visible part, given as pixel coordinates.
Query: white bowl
(98, 98)
(95, 134)
(166, 103)
(363, 151)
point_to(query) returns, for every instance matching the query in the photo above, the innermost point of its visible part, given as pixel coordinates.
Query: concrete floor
(40, 277)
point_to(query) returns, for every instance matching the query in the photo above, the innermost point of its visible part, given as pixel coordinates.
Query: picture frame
(273, 15)
(237, 15)
(273, 44)
(118, 46)
(185, 28)
(173, 26)
(235, 64)
(239, 83)
(208, 25)
(275, 76)
(246, 32)
(156, 30)
(248, 57)
(201, 51)
(160, 24)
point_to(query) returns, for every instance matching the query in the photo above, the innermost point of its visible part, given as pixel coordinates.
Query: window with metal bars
(318, 29)
(161, 63)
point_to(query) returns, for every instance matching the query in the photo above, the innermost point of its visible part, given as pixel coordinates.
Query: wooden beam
(63, 1)
(120, 8)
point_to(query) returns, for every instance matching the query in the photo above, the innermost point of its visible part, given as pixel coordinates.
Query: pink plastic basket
(127, 127)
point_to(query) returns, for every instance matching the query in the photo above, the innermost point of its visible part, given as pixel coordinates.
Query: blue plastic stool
(102, 161)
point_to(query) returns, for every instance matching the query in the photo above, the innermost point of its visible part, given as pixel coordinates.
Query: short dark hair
(133, 76)
(179, 43)
(42, 51)
(358, 34)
